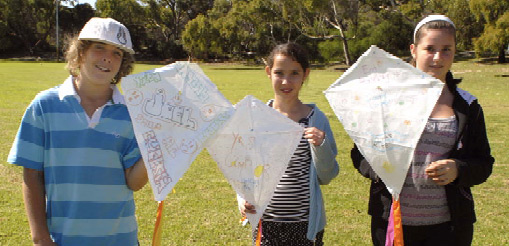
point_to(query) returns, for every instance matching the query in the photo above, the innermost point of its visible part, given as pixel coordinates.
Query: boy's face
(100, 63)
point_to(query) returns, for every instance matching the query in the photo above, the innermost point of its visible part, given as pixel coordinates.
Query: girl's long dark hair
(451, 82)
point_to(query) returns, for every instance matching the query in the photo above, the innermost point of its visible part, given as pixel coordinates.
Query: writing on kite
(147, 123)
(246, 184)
(147, 78)
(155, 160)
(197, 86)
(174, 146)
(157, 107)
(214, 125)
(388, 141)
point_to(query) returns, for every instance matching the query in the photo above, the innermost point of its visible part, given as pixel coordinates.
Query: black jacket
(472, 154)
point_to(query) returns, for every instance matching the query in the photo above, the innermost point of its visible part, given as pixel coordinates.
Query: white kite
(174, 110)
(253, 150)
(384, 103)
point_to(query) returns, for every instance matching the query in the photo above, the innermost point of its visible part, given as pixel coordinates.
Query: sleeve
(240, 202)
(324, 156)
(28, 147)
(362, 165)
(475, 162)
(132, 154)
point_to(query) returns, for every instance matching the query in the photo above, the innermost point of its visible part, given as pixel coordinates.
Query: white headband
(431, 18)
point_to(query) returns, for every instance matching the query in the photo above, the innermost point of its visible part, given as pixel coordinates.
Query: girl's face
(100, 63)
(434, 53)
(287, 76)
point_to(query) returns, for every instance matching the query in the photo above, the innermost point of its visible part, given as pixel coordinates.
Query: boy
(77, 146)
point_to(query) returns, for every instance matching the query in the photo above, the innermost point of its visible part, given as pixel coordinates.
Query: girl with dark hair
(452, 155)
(296, 214)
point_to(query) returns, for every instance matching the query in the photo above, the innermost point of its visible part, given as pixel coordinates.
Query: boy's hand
(136, 176)
(44, 242)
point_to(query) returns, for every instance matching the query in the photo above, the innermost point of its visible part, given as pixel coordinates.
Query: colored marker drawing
(253, 150)
(175, 109)
(157, 107)
(383, 104)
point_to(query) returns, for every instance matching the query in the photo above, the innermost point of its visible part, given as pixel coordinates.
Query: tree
(236, 29)
(200, 38)
(73, 19)
(323, 19)
(247, 28)
(495, 37)
(176, 13)
(459, 12)
(166, 19)
(392, 33)
(26, 24)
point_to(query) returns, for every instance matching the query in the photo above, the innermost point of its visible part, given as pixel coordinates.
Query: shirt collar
(67, 89)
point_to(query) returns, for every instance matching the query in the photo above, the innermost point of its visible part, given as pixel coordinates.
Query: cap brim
(122, 47)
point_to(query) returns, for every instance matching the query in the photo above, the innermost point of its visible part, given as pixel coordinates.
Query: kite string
(156, 238)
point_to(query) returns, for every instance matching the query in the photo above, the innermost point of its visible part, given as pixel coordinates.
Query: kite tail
(156, 238)
(259, 234)
(394, 234)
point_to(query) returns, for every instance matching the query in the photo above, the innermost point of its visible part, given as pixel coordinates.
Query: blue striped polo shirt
(83, 159)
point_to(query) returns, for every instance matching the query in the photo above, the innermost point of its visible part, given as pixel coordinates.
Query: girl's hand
(442, 172)
(245, 207)
(314, 135)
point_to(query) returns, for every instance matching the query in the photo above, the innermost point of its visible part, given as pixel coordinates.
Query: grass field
(203, 210)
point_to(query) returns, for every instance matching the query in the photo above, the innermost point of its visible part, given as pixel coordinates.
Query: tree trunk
(501, 55)
(346, 51)
(345, 44)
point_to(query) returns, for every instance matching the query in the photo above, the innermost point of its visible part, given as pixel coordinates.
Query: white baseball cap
(107, 30)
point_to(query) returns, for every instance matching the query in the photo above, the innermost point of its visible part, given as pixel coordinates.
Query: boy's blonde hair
(74, 57)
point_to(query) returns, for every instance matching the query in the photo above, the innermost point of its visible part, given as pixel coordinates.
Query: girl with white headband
(452, 155)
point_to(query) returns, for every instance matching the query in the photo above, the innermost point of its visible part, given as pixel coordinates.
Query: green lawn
(203, 209)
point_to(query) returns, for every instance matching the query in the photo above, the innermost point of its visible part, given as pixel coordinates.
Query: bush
(331, 50)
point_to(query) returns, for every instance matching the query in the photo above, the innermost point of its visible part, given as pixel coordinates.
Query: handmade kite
(174, 110)
(253, 150)
(384, 103)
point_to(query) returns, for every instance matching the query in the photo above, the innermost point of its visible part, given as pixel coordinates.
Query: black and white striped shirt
(290, 202)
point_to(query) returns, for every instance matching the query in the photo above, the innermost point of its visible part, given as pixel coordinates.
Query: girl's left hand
(314, 135)
(442, 172)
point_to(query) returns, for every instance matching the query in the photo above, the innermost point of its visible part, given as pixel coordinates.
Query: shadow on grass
(490, 60)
